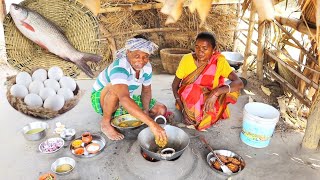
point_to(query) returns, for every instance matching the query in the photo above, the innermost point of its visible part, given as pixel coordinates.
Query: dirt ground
(282, 159)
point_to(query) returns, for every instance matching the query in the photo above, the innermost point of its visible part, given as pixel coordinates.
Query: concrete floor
(21, 159)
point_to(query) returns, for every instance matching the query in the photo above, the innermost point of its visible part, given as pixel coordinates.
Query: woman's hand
(158, 132)
(209, 104)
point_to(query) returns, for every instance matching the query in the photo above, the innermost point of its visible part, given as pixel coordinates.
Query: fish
(49, 36)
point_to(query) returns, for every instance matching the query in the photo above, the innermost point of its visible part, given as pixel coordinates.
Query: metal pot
(233, 58)
(178, 141)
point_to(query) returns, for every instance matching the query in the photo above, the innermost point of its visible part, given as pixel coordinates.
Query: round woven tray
(170, 58)
(41, 112)
(79, 25)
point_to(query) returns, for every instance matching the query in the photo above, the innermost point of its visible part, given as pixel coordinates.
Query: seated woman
(115, 85)
(199, 88)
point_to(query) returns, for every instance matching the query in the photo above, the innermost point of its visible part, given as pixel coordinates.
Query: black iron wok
(178, 141)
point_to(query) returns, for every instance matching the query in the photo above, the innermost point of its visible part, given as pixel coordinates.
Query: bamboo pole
(249, 41)
(293, 70)
(237, 31)
(260, 56)
(292, 89)
(139, 31)
(296, 24)
(136, 7)
(253, 41)
(301, 83)
(297, 42)
(2, 10)
(290, 44)
(312, 91)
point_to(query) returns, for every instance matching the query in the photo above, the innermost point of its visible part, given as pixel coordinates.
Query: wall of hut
(116, 27)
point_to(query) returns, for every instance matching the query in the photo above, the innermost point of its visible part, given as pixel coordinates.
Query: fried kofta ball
(224, 159)
(234, 161)
(234, 168)
(216, 165)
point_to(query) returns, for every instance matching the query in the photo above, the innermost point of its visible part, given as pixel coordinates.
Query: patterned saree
(195, 89)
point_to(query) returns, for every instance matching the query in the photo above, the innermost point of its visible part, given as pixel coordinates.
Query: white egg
(66, 93)
(55, 73)
(54, 103)
(33, 100)
(23, 78)
(18, 90)
(39, 74)
(51, 83)
(46, 92)
(35, 86)
(68, 82)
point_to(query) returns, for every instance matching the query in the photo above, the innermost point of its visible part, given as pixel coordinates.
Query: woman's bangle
(177, 98)
(229, 88)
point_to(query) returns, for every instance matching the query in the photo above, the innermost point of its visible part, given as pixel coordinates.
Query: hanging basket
(78, 24)
(170, 58)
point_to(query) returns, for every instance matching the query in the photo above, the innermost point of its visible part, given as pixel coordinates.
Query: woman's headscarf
(134, 44)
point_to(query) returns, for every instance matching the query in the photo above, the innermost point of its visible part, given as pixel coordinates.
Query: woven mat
(79, 25)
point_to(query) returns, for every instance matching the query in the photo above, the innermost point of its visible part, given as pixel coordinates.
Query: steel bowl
(233, 58)
(61, 161)
(211, 158)
(51, 145)
(68, 134)
(35, 125)
(127, 118)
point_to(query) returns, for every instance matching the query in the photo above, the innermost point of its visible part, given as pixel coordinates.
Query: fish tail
(82, 63)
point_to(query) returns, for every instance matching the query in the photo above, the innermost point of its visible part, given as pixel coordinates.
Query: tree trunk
(312, 135)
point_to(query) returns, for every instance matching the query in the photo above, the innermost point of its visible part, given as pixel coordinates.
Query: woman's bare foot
(111, 132)
(186, 120)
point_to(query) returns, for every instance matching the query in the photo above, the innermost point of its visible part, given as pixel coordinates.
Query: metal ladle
(224, 168)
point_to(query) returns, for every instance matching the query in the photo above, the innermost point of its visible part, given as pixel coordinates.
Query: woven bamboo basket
(170, 58)
(79, 25)
(41, 112)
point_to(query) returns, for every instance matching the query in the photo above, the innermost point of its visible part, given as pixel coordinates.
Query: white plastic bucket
(259, 121)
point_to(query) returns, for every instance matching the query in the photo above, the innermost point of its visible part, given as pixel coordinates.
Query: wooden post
(237, 31)
(312, 135)
(309, 55)
(261, 42)
(2, 10)
(249, 41)
(296, 24)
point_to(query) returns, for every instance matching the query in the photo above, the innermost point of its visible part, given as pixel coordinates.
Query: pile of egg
(44, 89)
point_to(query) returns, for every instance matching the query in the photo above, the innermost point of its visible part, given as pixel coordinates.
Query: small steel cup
(68, 134)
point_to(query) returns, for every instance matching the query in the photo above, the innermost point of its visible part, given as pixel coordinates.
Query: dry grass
(221, 21)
